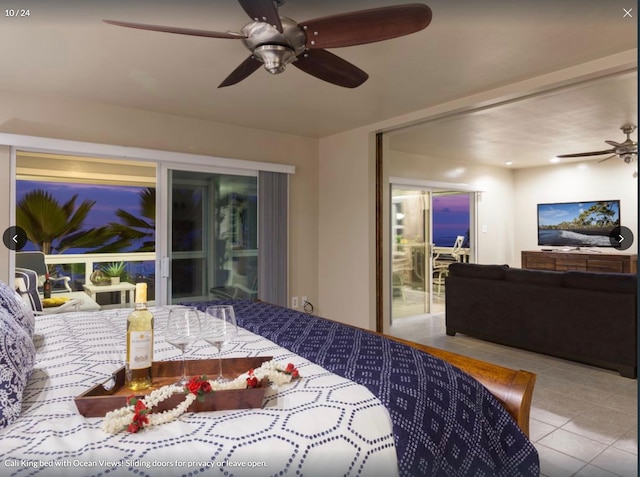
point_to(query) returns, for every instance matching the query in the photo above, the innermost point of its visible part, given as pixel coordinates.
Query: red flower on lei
(140, 412)
(292, 370)
(252, 380)
(198, 385)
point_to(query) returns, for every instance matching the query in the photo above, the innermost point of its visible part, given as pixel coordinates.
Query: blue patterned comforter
(445, 422)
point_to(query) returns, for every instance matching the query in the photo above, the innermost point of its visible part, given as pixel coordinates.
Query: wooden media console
(561, 261)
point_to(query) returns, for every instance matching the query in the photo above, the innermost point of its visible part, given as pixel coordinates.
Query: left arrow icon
(14, 238)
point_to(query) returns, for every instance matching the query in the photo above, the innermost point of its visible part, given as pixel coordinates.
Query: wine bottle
(139, 342)
(46, 287)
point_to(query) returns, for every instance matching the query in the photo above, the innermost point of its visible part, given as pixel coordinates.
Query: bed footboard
(513, 388)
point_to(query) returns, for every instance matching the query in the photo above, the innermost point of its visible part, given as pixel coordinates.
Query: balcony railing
(79, 267)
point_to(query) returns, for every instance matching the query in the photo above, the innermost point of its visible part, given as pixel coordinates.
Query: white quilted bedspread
(320, 425)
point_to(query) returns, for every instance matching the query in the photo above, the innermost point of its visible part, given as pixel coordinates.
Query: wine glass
(183, 328)
(219, 327)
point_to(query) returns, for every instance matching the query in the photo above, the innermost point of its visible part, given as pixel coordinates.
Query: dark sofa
(582, 316)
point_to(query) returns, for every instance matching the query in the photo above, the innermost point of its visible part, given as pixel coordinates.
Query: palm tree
(135, 229)
(55, 227)
(140, 229)
(600, 214)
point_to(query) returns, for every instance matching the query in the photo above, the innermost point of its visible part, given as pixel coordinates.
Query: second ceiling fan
(275, 41)
(626, 150)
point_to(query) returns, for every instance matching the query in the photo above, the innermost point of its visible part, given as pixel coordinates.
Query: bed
(364, 405)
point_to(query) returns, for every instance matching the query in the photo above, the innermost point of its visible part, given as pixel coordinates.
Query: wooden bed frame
(513, 388)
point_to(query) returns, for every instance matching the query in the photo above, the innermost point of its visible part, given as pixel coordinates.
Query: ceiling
(64, 50)
(532, 131)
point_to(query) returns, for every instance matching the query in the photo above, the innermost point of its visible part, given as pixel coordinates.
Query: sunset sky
(108, 200)
(450, 218)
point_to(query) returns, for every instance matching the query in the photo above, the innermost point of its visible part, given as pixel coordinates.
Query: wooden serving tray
(113, 394)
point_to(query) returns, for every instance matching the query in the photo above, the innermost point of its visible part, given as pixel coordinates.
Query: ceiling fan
(276, 41)
(626, 150)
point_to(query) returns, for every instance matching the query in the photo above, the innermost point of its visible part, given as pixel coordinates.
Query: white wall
(586, 181)
(346, 264)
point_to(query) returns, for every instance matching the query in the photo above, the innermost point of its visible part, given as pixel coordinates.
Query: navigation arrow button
(14, 238)
(621, 238)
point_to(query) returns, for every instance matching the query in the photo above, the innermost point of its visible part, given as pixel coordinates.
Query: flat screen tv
(577, 224)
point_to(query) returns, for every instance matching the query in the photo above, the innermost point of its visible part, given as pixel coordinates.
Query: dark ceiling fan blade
(366, 26)
(613, 143)
(585, 154)
(262, 11)
(179, 31)
(331, 68)
(246, 68)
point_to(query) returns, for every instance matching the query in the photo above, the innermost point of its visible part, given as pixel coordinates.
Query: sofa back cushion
(534, 277)
(611, 282)
(475, 270)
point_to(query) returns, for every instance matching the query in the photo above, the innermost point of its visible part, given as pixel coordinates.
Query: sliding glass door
(213, 239)
(410, 251)
(430, 229)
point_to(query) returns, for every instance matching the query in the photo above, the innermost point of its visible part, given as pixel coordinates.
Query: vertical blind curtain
(273, 226)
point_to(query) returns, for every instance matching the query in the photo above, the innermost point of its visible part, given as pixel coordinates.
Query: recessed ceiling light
(554, 160)
(508, 163)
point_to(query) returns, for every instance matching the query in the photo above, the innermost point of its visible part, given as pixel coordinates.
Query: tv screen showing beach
(578, 224)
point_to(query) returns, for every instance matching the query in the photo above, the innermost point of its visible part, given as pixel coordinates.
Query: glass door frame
(430, 187)
(427, 236)
(163, 212)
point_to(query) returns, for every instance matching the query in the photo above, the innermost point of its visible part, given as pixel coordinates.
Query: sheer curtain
(273, 226)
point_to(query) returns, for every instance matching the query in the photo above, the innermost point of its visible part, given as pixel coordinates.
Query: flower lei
(137, 413)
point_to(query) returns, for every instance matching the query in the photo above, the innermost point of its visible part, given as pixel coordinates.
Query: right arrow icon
(621, 238)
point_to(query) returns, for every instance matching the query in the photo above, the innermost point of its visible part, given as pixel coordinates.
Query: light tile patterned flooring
(584, 420)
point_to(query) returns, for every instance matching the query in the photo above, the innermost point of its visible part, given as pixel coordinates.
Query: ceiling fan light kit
(275, 58)
(628, 158)
(275, 41)
(274, 49)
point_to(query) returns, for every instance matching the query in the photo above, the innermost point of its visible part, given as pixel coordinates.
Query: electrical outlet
(303, 300)
(294, 302)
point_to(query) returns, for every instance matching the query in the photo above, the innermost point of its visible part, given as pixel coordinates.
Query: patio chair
(441, 262)
(453, 255)
(401, 268)
(26, 284)
(440, 273)
(36, 261)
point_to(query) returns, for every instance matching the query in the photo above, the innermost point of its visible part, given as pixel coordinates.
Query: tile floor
(584, 420)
